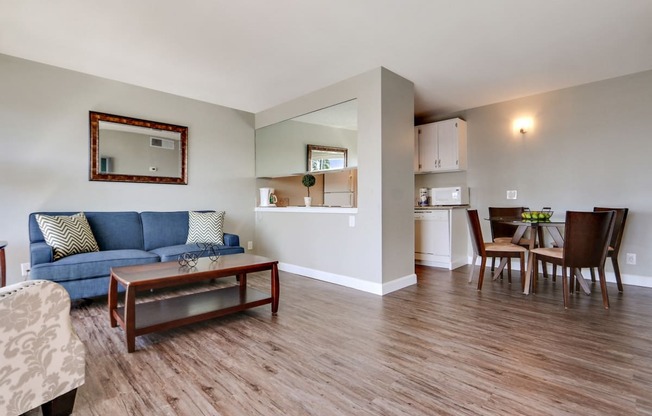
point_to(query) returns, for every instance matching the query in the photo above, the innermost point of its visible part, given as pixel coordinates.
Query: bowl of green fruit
(536, 216)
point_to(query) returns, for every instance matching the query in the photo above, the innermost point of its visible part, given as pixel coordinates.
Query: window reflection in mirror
(125, 149)
(321, 158)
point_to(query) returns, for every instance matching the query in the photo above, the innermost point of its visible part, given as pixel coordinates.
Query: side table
(3, 264)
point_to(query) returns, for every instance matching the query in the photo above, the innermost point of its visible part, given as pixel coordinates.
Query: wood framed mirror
(323, 158)
(125, 149)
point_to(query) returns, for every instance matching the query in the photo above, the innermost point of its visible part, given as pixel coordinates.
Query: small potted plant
(308, 180)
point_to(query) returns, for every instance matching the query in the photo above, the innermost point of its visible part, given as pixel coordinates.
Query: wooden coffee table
(143, 318)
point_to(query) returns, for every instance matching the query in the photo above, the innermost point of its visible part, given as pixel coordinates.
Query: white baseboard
(352, 282)
(445, 265)
(628, 279)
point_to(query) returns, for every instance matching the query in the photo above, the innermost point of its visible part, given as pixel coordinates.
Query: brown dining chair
(485, 250)
(586, 241)
(616, 239)
(503, 233)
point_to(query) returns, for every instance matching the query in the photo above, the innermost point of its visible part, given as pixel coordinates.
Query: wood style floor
(437, 348)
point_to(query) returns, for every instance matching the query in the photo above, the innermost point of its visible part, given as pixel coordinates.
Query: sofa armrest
(42, 357)
(231, 240)
(40, 253)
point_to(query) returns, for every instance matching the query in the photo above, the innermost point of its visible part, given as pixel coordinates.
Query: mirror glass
(282, 148)
(125, 149)
(322, 158)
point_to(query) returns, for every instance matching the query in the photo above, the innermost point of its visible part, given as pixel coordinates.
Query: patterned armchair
(42, 362)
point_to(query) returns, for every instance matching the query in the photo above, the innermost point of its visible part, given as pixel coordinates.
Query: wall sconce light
(523, 125)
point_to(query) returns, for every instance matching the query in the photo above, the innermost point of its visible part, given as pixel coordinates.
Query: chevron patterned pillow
(67, 235)
(205, 227)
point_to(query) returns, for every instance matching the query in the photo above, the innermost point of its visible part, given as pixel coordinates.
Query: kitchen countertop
(431, 207)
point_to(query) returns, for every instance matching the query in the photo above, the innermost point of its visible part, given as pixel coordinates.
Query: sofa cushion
(162, 229)
(113, 230)
(205, 227)
(90, 265)
(172, 253)
(67, 235)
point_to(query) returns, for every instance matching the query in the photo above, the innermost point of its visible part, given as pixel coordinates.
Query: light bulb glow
(523, 124)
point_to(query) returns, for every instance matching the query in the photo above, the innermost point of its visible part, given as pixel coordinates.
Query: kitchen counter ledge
(311, 210)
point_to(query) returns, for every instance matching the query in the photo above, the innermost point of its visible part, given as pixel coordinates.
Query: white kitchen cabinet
(441, 237)
(441, 146)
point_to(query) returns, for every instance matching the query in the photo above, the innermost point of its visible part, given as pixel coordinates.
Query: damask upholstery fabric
(206, 227)
(67, 235)
(41, 357)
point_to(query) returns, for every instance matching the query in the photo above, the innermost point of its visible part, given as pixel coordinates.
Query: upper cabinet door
(447, 141)
(416, 149)
(428, 157)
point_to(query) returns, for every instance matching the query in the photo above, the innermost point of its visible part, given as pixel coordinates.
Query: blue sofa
(124, 239)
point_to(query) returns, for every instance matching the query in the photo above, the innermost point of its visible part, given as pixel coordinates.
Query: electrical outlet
(351, 220)
(24, 269)
(250, 245)
(631, 258)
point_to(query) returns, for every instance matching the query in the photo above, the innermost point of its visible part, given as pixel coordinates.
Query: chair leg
(554, 272)
(60, 406)
(509, 270)
(483, 264)
(592, 274)
(535, 272)
(619, 282)
(493, 264)
(603, 287)
(565, 284)
(475, 258)
(541, 243)
(522, 259)
(571, 282)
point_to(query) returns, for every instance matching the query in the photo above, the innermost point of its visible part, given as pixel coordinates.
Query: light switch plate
(512, 194)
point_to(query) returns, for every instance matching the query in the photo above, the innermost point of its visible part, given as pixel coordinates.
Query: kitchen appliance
(423, 197)
(454, 195)
(267, 197)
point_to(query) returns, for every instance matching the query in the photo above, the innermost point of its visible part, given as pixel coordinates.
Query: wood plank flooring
(437, 348)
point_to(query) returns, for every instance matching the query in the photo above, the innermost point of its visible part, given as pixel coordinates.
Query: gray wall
(590, 146)
(325, 242)
(44, 156)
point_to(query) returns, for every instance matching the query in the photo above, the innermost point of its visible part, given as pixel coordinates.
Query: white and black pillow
(67, 235)
(205, 227)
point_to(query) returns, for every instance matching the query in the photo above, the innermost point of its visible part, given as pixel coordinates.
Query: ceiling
(254, 54)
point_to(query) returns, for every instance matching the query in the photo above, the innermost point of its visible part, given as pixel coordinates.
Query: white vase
(307, 200)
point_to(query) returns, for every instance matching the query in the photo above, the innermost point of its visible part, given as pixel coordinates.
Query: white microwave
(454, 195)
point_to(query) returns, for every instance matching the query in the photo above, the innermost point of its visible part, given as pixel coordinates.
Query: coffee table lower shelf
(171, 313)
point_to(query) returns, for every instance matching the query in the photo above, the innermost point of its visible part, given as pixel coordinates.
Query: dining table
(552, 226)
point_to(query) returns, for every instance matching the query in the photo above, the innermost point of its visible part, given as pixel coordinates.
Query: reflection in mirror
(281, 147)
(326, 158)
(125, 149)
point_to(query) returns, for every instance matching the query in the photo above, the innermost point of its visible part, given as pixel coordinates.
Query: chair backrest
(619, 226)
(476, 232)
(586, 238)
(499, 229)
